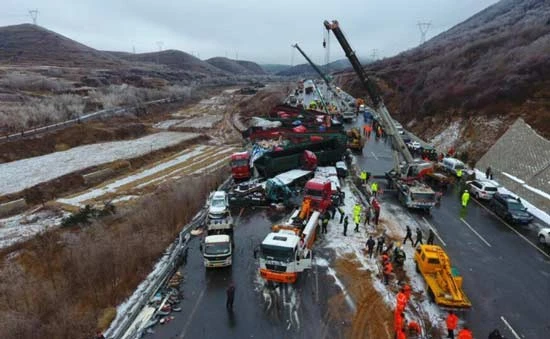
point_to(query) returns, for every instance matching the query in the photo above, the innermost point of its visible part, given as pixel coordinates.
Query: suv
(482, 189)
(544, 236)
(510, 209)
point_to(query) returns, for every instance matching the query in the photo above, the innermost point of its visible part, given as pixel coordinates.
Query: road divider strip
(516, 335)
(513, 229)
(475, 232)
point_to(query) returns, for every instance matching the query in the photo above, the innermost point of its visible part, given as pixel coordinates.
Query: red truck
(320, 192)
(240, 165)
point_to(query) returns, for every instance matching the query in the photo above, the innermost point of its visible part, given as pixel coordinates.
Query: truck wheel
(431, 295)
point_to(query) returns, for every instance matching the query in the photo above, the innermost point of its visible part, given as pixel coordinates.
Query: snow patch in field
(166, 124)
(24, 226)
(207, 121)
(112, 187)
(17, 175)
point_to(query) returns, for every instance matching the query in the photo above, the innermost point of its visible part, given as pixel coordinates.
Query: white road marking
(475, 232)
(515, 231)
(184, 332)
(435, 232)
(374, 155)
(516, 335)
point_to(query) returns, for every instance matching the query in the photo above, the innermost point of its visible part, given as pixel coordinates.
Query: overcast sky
(257, 30)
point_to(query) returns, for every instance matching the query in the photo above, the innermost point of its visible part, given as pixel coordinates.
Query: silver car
(482, 189)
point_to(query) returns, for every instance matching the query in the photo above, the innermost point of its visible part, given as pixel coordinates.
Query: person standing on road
(388, 269)
(380, 244)
(342, 214)
(489, 173)
(465, 198)
(431, 237)
(374, 188)
(230, 296)
(325, 222)
(465, 333)
(451, 322)
(418, 237)
(367, 216)
(346, 225)
(376, 208)
(408, 236)
(363, 177)
(370, 246)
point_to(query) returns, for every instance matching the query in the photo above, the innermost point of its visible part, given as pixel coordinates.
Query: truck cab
(444, 282)
(452, 165)
(240, 165)
(319, 191)
(217, 250)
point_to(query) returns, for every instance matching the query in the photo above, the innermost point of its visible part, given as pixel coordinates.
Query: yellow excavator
(444, 282)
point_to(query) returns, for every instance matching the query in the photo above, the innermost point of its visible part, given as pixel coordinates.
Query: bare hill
(173, 59)
(236, 67)
(495, 66)
(252, 66)
(34, 45)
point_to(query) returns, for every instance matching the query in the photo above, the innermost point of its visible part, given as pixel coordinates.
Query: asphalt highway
(506, 272)
(260, 311)
(506, 276)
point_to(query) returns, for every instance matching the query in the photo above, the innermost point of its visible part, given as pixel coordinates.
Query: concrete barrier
(12, 207)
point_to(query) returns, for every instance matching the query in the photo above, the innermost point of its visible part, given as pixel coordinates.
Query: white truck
(217, 249)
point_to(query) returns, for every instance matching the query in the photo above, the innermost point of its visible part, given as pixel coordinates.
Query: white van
(451, 165)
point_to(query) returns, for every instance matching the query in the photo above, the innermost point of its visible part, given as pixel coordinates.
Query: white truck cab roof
(281, 239)
(216, 238)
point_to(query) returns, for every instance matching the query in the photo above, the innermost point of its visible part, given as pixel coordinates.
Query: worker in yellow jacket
(465, 198)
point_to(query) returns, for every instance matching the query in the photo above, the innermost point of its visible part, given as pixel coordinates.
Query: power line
(34, 15)
(423, 27)
(374, 54)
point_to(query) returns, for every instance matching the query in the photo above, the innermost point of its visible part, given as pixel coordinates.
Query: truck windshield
(218, 203)
(217, 248)
(239, 163)
(313, 193)
(423, 196)
(283, 254)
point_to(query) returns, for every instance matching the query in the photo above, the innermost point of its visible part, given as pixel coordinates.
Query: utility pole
(373, 55)
(34, 15)
(237, 55)
(134, 49)
(159, 45)
(423, 27)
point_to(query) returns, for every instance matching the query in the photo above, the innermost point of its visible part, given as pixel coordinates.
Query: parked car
(510, 209)
(544, 236)
(482, 189)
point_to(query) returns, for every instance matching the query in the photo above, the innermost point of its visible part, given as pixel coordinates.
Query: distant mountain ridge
(236, 67)
(28, 44)
(306, 69)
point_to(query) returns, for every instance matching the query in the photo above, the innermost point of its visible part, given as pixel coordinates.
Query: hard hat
(465, 191)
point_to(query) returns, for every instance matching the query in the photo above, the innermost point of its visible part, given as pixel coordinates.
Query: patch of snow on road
(516, 179)
(124, 198)
(448, 137)
(17, 175)
(112, 187)
(393, 219)
(24, 226)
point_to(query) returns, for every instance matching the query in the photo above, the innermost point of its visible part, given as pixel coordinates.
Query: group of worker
(403, 328)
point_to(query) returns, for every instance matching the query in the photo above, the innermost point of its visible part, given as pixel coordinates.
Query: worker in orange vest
(388, 269)
(401, 300)
(452, 322)
(414, 328)
(465, 333)
(398, 321)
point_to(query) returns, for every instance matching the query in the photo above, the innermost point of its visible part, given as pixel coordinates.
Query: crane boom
(315, 67)
(397, 143)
